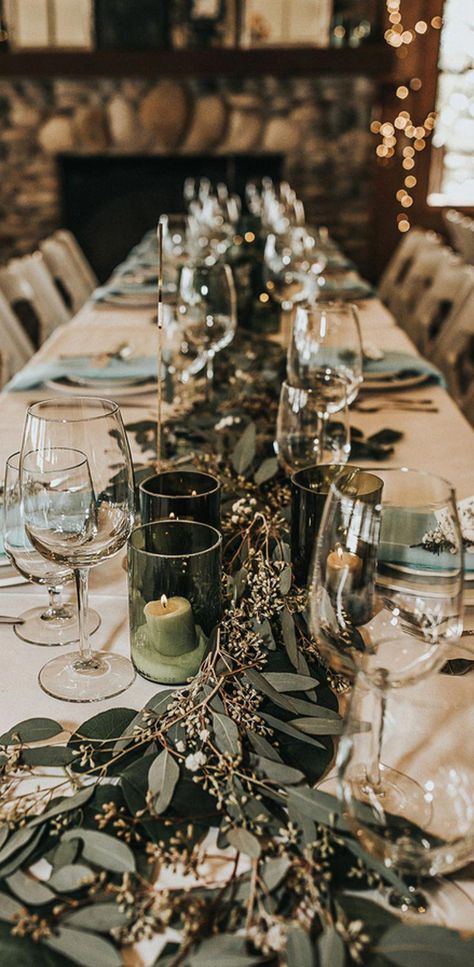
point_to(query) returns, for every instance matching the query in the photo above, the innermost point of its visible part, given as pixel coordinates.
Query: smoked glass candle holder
(175, 602)
(181, 495)
(309, 490)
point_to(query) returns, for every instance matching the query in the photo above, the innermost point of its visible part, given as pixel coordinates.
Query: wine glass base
(54, 631)
(71, 679)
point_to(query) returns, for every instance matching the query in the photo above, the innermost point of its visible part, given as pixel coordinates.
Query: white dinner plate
(382, 382)
(97, 382)
(102, 388)
(132, 300)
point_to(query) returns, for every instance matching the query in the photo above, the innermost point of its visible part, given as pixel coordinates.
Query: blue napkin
(139, 367)
(395, 362)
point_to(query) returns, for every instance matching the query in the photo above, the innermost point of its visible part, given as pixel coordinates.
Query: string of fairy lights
(402, 136)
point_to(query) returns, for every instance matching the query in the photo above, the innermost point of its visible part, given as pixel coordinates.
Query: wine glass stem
(56, 609)
(209, 374)
(81, 576)
(378, 720)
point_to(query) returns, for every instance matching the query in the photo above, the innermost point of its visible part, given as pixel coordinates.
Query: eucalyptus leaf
(226, 734)
(244, 451)
(159, 703)
(299, 949)
(289, 637)
(64, 854)
(331, 949)
(244, 841)
(239, 583)
(263, 747)
(47, 755)
(84, 948)
(10, 909)
(98, 917)
(69, 879)
(31, 730)
(279, 772)
(16, 841)
(266, 470)
(318, 806)
(163, 775)
(425, 946)
(4, 831)
(318, 726)
(287, 682)
(285, 580)
(274, 871)
(289, 730)
(264, 629)
(65, 806)
(21, 855)
(28, 889)
(102, 850)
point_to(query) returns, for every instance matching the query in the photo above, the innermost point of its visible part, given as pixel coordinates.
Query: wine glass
(387, 594)
(78, 498)
(313, 424)
(290, 275)
(431, 833)
(57, 624)
(207, 306)
(326, 339)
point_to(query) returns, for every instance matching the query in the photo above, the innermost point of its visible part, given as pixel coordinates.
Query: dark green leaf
(279, 772)
(331, 949)
(21, 855)
(4, 831)
(226, 734)
(159, 703)
(84, 948)
(10, 909)
(289, 730)
(103, 850)
(239, 583)
(31, 730)
(68, 879)
(266, 470)
(425, 946)
(274, 871)
(28, 889)
(318, 806)
(318, 726)
(226, 950)
(163, 775)
(299, 950)
(244, 450)
(47, 755)
(17, 840)
(289, 637)
(263, 747)
(64, 854)
(65, 806)
(244, 842)
(285, 580)
(264, 629)
(287, 682)
(98, 917)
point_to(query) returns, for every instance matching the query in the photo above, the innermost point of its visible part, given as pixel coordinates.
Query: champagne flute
(57, 624)
(78, 497)
(326, 339)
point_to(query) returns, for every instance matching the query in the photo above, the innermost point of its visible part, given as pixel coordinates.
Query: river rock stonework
(321, 125)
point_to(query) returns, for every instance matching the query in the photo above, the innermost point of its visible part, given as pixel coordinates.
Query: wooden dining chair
(454, 353)
(84, 268)
(437, 308)
(461, 232)
(419, 279)
(400, 265)
(48, 303)
(16, 346)
(69, 281)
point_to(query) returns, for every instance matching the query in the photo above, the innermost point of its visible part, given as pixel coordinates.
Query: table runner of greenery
(237, 750)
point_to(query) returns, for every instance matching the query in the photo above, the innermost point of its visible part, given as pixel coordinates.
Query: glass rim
(36, 470)
(343, 466)
(313, 390)
(113, 408)
(418, 473)
(168, 473)
(174, 523)
(332, 304)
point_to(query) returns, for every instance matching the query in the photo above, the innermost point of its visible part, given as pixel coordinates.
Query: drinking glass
(207, 305)
(385, 599)
(57, 624)
(313, 424)
(78, 496)
(326, 339)
(289, 271)
(433, 832)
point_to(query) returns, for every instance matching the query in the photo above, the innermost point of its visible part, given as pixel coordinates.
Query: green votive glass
(175, 599)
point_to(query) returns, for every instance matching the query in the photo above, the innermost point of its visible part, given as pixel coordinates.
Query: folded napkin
(398, 363)
(139, 367)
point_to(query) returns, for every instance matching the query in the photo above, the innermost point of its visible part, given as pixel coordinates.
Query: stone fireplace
(319, 126)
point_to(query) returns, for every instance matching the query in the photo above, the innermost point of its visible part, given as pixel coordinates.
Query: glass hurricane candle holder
(175, 602)
(309, 490)
(181, 495)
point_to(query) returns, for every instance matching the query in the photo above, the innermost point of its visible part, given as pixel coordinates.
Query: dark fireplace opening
(110, 201)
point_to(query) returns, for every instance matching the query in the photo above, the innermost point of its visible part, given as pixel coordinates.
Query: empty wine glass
(78, 497)
(208, 310)
(432, 832)
(326, 339)
(289, 270)
(56, 624)
(313, 424)
(385, 598)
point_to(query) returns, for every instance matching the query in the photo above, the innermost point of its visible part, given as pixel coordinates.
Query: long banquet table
(441, 442)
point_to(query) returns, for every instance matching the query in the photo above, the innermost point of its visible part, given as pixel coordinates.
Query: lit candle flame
(164, 601)
(339, 551)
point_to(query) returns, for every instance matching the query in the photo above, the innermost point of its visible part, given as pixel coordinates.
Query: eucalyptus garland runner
(198, 814)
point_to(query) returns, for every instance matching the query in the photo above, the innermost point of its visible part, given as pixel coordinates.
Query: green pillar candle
(171, 628)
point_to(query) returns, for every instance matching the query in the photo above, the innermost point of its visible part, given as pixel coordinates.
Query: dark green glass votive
(181, 495)
(309, 490)
(175, 599)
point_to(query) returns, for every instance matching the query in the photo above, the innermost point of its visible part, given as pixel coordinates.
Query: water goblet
(313, 424)
(326, 339)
